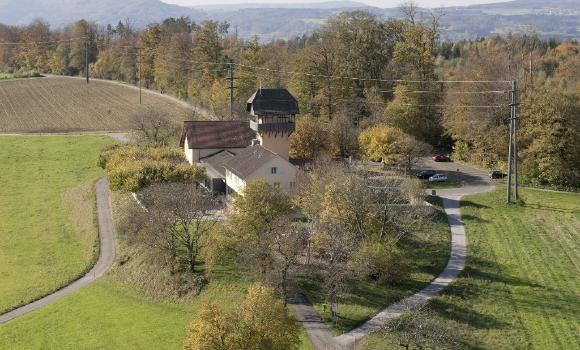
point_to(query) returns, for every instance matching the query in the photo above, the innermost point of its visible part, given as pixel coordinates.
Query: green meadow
(520, 286)
(46, 192)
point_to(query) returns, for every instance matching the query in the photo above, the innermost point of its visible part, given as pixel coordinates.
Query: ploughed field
(64, 104)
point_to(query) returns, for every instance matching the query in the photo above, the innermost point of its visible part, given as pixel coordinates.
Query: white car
(438, 178)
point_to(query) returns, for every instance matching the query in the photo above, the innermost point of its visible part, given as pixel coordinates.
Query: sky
(378, 3)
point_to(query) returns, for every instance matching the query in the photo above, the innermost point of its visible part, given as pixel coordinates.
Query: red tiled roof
(217, 134)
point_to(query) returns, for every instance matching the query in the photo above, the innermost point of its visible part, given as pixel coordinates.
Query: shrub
(380, 262)
(460, 151)
(131, 168)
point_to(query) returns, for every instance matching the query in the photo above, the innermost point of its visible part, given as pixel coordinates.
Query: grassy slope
(520, 287)
(428, 254)
(112, 314)
(40, 248)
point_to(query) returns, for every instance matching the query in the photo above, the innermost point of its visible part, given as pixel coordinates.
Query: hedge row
(132, 167)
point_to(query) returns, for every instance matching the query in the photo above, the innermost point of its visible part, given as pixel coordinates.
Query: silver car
(438, 178)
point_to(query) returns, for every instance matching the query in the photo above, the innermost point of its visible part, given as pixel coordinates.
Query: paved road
(474, 181)
(106, 256)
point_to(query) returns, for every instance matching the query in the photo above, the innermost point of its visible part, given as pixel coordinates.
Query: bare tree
(419, 329)
(338, 246)
(288, 242)
(179, 216)
(153, 126)
(410, 10)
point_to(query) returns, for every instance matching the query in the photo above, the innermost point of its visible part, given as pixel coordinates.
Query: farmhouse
(237, 152)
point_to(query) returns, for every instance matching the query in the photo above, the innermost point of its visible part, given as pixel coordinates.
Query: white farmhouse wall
(234, 182)
(188, 152)
(285, 176)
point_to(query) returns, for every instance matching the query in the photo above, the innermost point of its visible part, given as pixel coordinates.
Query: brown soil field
(64, 104)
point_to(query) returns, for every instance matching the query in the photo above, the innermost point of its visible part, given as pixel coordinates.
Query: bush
(460, 151)
(131, 168)
(380, 262)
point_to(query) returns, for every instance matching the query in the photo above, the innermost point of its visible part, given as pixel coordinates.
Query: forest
(353, 74)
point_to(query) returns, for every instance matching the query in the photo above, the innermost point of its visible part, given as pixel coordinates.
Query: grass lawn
(113, 313)
(520, 287)
(428, 254)
(46, 187)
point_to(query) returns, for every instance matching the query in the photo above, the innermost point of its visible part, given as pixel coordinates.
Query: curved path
(106, 256)
(475, 181)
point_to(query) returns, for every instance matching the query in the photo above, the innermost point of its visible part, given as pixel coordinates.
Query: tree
(211, 330)
(550, 123)
(266, 321)
(180, 215)
(392, 146)
(255, 216)
(412, 113)
(260, 322)
(287, 244)
(343, 133)
(153, 127)
(419, 329)
(309, 140)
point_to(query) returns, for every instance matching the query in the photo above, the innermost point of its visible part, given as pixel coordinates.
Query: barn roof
(248, 160)
(272, 101)
(217, 134)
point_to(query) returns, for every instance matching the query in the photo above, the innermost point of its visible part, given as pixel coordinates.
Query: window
(292, 184)
(273, 170)
(277, 184)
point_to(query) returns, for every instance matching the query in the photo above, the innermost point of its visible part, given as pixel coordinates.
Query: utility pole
(231, 88)
(510, 150)
(515, 140)
(140, 67)
(87, 59)
(512, 147)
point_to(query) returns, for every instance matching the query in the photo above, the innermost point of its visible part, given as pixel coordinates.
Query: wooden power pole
(513, 194)
(231, 78)
(87, 59)
(140, 74)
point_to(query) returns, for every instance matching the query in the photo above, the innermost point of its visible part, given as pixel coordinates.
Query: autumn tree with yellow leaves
(260, 322)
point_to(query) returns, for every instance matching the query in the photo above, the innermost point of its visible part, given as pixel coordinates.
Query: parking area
(456, 171)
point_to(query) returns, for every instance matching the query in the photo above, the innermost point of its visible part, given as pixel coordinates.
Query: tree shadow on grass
(471, 204)
(473, 218)
(466, 315)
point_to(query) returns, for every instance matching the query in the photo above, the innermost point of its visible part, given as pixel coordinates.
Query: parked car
(438, 178)
(441, 158)
(496, 175)
(425, 174)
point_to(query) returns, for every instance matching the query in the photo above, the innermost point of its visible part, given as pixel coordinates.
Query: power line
(452, 92)
(375, 79)
(42, 42)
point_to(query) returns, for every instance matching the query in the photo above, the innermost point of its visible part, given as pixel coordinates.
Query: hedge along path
(319, 333)
(106, 256)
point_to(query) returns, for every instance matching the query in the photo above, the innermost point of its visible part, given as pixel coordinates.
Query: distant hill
(550, 18)
(63, 12)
